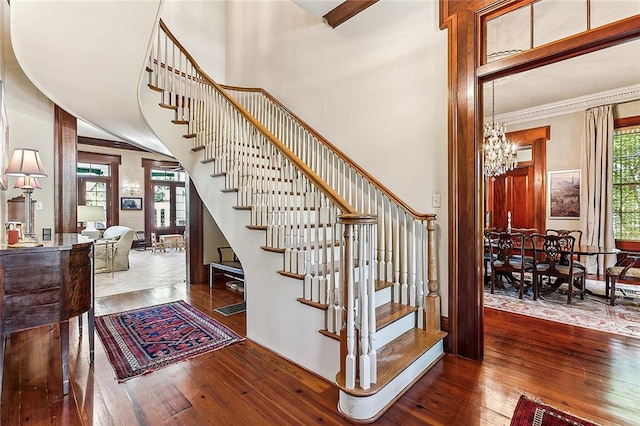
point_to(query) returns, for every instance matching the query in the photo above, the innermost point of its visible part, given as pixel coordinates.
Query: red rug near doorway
(532, 413)
(142, 340)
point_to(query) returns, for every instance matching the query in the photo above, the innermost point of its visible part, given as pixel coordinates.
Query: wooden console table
(47, 285)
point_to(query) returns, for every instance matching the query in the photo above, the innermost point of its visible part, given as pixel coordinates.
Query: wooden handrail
(338, 152)
(340, 202)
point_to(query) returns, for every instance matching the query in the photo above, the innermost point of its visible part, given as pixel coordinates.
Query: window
(97, 176)
(626, 183)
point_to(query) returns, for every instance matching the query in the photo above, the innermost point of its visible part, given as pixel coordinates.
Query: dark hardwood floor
(588, 373)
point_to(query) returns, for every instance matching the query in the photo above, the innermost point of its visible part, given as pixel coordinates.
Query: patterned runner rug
(532, 413)
(593, 312)
(142, 340)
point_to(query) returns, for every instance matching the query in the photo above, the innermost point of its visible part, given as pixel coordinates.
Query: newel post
(432, 300)
(355, 242)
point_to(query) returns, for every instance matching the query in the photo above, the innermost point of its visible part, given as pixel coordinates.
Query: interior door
(514, 192)
(522, 190)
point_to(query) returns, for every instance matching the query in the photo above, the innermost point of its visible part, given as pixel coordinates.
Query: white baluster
(396, 256)
(365, 367)
(404, 253)
(373, 357)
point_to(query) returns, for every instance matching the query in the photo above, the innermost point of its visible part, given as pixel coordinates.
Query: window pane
(181, 203)
(96, 194)
(626, 183)
(556, 19)
(508, 34)
(162, 210)
(88, 169)
(168, 175)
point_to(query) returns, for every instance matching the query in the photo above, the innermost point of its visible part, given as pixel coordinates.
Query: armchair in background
(104, 258)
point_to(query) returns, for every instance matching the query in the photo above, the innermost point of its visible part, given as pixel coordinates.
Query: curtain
(597, 165)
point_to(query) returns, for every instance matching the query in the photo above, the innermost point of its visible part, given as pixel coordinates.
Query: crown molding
(567, 106)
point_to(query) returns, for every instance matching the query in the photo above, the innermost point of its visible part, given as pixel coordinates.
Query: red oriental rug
(532, 413)
(142, 340)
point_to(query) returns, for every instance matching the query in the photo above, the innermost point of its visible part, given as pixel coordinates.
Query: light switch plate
(39, 205)
(436, 200)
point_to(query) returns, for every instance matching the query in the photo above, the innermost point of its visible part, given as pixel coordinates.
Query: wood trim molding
(85, 140)
(65, 164)
(196, 273)
(345, 11)
(626, 122)
(465, 77)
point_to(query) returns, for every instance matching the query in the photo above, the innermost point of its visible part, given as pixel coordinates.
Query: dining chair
(627, 269)
(575, 233)
(487, 252)
(507, 254)
(156, 244)
(549, 254)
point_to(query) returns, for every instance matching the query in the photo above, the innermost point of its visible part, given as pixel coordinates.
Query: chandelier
(499, 155)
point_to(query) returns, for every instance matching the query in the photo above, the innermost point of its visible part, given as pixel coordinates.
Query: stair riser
(391, 331)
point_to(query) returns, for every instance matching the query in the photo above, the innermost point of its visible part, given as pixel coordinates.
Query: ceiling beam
(345, 11)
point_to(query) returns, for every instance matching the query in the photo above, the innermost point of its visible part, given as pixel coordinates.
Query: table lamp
(26, 163)
(90, 215)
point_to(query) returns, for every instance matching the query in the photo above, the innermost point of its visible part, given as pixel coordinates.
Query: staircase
(340, 273)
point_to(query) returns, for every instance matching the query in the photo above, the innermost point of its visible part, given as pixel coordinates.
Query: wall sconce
(26, 163)
(131, 188)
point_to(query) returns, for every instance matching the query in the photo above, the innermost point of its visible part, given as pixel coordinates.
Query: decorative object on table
(131, 188)
(130, 203)
(142, 340)
(26, 163)
(499, 154)
(534, 413)
(564, 194)
(89, 215)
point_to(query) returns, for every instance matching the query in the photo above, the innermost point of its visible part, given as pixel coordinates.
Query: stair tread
(303, 247)
(395, 357)
(190, 136)
(318, 305)
(390, 312)
(385, 314)
(197, 148)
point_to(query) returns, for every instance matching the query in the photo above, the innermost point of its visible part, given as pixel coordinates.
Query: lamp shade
(91, 214)
(26, 162)
(32, 182)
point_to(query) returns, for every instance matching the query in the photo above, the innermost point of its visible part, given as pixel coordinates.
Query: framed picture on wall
(564, 194)
(130, 203)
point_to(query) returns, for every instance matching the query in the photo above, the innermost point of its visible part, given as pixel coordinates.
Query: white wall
(199, 26)
(376, 87)
(565, 147)
(30, 120)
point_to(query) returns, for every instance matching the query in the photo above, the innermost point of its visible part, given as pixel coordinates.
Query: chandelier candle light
(500, 155)
(26, 163)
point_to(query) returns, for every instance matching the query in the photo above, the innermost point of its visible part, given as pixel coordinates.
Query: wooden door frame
(465, 78)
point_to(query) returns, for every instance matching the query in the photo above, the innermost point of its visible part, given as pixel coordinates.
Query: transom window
(626, 183)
